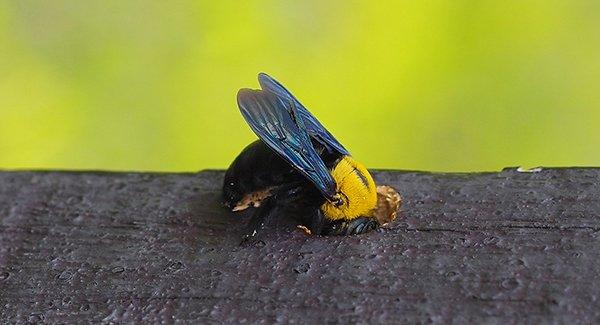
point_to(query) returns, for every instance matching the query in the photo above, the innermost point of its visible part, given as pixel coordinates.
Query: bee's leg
(351, 227)
(259, 217)
(317, 222)
(311, 218)
(281, 196)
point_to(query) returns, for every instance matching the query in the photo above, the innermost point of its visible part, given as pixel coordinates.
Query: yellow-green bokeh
(430, 85)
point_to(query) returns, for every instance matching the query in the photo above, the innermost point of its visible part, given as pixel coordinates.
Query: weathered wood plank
(491, 247)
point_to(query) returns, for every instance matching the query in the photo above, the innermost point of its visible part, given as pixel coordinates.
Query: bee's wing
(276, 122)
(313, 127)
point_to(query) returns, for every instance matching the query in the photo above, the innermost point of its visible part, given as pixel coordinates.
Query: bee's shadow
(207, 210)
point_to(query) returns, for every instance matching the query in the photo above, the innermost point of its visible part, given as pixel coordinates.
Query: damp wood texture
(118, 247)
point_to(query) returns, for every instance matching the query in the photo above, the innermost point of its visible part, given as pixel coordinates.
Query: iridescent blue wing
(277, 123)
(314, 128)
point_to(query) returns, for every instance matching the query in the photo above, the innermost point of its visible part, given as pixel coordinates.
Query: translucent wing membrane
(313, 127)
(277, 122)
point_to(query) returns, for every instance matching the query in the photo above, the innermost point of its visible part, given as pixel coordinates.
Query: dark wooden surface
(113, 247)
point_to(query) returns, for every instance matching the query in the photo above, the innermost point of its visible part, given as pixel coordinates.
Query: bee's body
(255, 169)
(300, 165)
(258, 168)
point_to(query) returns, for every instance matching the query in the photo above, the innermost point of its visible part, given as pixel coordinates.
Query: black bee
(298, 167)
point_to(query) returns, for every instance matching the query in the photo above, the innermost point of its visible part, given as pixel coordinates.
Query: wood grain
(500, 247)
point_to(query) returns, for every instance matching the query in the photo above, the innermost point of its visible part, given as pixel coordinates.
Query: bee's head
(337, 200)
(356, 192)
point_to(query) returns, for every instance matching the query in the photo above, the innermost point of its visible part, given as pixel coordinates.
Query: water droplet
(510, 284)
(176, 265)
(35, 318)
(303, 268)
(117, 269)
(71, 200)
(4, 276)
(65, 275)
(451, 274)
(517, 262)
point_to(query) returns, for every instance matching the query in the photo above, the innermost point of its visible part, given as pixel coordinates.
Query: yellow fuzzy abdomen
(356, 188)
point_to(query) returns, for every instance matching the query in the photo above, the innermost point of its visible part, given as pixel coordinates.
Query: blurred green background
(429, 85)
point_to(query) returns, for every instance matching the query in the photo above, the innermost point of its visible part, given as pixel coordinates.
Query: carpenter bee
(297, 167)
